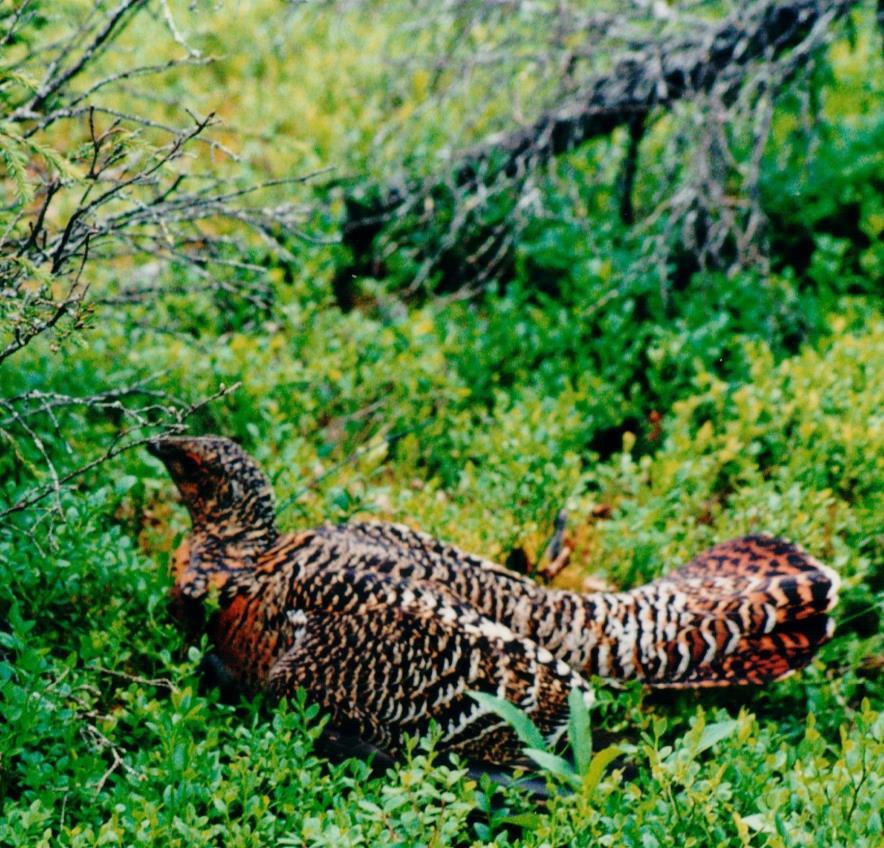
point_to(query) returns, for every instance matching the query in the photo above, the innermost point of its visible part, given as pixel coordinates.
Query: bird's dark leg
(558, 552)
(339, 746)
(216, 675)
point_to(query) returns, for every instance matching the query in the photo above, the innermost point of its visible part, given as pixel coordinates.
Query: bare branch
(716, 61)
(99, 189)
(56, 77)
(121, 443)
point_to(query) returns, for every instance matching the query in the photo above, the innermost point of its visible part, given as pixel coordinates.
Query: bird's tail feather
(747, 611)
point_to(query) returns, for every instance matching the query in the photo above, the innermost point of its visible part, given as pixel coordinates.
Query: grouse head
(227, 495)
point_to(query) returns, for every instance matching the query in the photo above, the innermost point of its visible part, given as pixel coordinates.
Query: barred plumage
(389, 629)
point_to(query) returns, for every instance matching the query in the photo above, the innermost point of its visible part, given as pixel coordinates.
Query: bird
(392, 631)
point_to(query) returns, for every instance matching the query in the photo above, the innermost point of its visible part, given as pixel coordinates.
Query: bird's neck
(232, 516)
(230, 541)
(209, 561)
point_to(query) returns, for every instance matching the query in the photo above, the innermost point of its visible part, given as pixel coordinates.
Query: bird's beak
(156, 448)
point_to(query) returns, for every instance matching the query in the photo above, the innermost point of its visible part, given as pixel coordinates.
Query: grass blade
(523, 727)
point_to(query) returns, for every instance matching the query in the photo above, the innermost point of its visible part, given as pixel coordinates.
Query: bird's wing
(405, 554)
(386, 658)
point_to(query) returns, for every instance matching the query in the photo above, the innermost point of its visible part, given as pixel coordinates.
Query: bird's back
(747, 611)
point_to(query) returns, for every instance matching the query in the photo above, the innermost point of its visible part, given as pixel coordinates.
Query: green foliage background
(665, 417)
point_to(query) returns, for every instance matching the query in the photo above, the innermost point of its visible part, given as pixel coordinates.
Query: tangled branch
(106, 201)
(727, 69)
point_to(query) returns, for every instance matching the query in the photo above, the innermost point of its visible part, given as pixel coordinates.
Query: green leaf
(16, 167)
(125, 484)
(593, 775)
(758, 823)
(579, 731)
(8, 74)
(554, 764)
(714, 733)
(524, 820)
(523, 727)
(782, 829)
